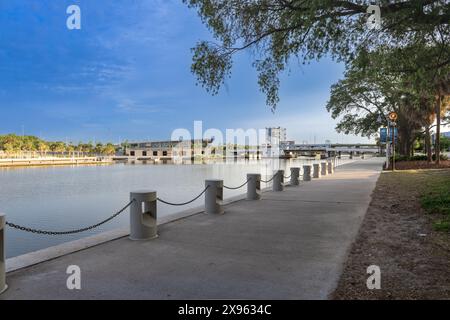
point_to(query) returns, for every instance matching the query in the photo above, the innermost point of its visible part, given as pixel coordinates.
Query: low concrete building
(166, 149)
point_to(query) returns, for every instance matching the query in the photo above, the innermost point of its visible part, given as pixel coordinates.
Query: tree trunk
(408, 147)
(404, 145)
(428, 144)
(437, 146)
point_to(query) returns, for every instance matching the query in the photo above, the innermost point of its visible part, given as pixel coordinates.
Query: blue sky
(126, 75)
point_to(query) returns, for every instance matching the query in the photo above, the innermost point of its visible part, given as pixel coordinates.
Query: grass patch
(430, 187)
(435, 197)
(442, 225)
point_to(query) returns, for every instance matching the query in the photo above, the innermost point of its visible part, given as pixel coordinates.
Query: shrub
(419, 158)
(399, 158)
(443, 157)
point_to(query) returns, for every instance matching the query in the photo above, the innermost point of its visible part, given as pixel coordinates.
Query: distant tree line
(12, 144)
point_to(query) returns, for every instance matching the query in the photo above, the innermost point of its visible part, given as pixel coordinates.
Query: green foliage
(404, 66)
(362, 96)
(442, 157)
(58, 147)
(12, 144)
(445, 143)
(388, 79)
(442, 225)
(437, 199)
(109, 149)
(277, 32)
(399, 158)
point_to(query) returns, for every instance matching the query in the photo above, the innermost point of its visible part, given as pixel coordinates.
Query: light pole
(393, 116)
(393, 126)
(382, 120)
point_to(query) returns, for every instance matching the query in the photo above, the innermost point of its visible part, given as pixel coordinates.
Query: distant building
(446, 134)
(286, 145)
(165, 149)
(277, 134)
(275, 141)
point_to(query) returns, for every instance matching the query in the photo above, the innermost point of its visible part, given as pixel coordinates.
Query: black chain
(231, 188)
(288, 177)
(54, 233)
(269, 180)
(184, 203)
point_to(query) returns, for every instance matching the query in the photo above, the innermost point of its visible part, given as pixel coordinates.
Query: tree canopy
(402, 80)
(402, 65)
(278, 31)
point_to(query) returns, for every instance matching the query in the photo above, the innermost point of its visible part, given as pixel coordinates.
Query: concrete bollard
(253, 186)
(307, 173)
(214, 197)
(324, 169)
(351, 155)
(3, 285)
(143, 215)
(330, 167)
(316, 170)
(278, 181)
(295, 173)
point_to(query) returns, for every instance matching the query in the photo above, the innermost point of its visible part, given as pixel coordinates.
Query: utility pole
(393, 148)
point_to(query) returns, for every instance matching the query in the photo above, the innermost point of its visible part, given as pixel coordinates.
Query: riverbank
(288, 245)
(406, 234)
(53, 161)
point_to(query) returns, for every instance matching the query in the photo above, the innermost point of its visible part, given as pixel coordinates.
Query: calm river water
(64, 198)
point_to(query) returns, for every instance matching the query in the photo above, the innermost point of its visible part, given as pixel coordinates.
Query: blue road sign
(393, 131)
(383, 135)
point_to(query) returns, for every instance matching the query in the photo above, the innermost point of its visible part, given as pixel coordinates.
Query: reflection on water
(62, 198)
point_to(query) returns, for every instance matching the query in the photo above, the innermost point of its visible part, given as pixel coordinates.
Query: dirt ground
(397, 235)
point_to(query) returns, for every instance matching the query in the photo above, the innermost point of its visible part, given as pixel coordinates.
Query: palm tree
(42, 147)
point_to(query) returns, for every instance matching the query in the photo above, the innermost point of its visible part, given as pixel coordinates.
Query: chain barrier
(184, 203)
(231, 188)
(47, 232)
(267, 181)
(54, 233)
(288, 177)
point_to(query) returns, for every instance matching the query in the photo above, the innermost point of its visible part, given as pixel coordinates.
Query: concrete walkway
(289, 245)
